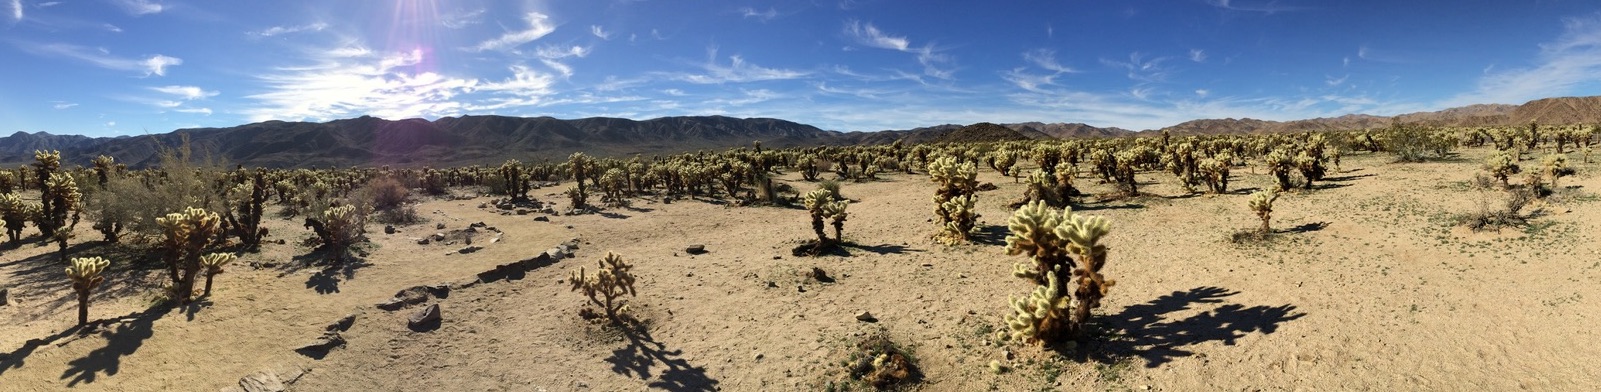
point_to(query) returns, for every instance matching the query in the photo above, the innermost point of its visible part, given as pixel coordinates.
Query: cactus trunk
(83, 307)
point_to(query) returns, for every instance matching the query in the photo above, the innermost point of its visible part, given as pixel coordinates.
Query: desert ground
(1368, 284)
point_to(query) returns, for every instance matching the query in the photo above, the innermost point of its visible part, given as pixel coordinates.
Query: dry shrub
(386, 193)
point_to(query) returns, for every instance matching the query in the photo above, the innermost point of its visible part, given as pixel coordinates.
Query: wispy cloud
(203, 111)
(598, 31)
(1564, 65)
(551, 56)
(277, 30)
(539, 25)
(59, 105)
(1141, 68)
(1368, 53)
(737, 71)
(928, 56)
(752, 13)
(1267, 7)
(186, 92)
(140, 7)
(1332, 81)
(1198, 55)
(459, 20)
(16, 10)
(339, 87)
(1042, 58)
(153, 65)
(1046, 58)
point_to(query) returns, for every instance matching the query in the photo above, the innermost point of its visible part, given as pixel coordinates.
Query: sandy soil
(1369, 286)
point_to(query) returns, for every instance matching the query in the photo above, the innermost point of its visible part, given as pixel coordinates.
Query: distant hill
(454, 141)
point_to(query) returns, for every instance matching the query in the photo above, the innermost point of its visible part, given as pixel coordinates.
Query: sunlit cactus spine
(16, 213)
(1280, 162)
(213, 264)
(1262, 204)
(615, 185)
(1061, 246)
(1554, 166)
(66, 201)
(957, 180)
(961, 220)
(45, 166)
(103, 165)
(612, 279)
(820, 205)
(85, 273)
(1215, 172)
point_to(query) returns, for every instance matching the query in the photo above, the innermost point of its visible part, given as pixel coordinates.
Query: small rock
(343, 324)
(778, 257)
(470, 249)
(928, 265)
(439, 236)
(569, 226)
(424, 319)
(262, 381)
(320, 347)
(389, 229)
(1007, 354)
(759, 356)
(3, 295)
(423, 241)
(479, 224)
(523, 211)
(820, 275)
(541, 219)
(866, 317)
(695, 249)
(440, 226)
(467, 241)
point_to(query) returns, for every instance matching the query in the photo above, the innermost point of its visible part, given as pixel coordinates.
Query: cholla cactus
(1061, 246)
(103, 165)
(184, 237)
(244, 206)
(1262, 203)
(835, 212)
(1502, 166)
(213, 264)
(85, 275)
(515, 178)
(611, 281)
(961, 220)
(1554, 166)
(16, 213)
(820, 203)
(343, 226)
(1215, 172)
(8, 181)
(1280, 162)
(64, 201)
(615, 185)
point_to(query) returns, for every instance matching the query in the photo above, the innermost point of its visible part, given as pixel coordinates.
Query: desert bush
(612, 279)
(1061, 245)
(882, 364)
(387, 193)
(1414, 143)
(1490, 215)
(85, 275)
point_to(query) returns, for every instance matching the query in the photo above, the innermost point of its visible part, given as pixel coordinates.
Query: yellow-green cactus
(85, 274)
(1262, 204)
(213, 264)
(1061, 245)
(1502, 166)
(184, 237)
(606, 287)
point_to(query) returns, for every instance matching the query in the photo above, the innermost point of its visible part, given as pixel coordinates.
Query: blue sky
(128, 67)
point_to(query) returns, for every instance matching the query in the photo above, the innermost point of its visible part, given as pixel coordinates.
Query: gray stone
(425, 319)
(866, 316)
(523, 211)
(424, 241)
(695, 249)
(263, 381)
(343, 324)
(470, 249)
(439, 236)
(389, 229)
(440, 226)
(541, 219)
(4, 294)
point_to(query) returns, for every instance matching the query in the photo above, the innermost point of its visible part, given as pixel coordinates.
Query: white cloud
(186, 92)
(599, 32)
(111, 124)
(1332, 81)
(153, 65)
(1197, 55)
(538, 26)
(866, 34)
(674, 92)
(1141, 68)
(764, 16)
(140, 7)
(111, 28)
(277, 30)
(203, 111)
(1563, 66)
(350, 51)
(63, 105)
(1267, 7)
(16, 10)
(737, 71)
(339, 87)
(1046, 58)
(1202, 93)
(462, 19)
(550, 56)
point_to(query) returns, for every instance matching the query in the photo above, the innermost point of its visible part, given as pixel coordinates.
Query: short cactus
(1262, 204)
(213, 264)
(1502, 166)
(85, 274)
(184, 237)
(606, 287)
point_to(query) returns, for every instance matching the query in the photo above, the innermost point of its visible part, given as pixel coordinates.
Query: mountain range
(452, 141)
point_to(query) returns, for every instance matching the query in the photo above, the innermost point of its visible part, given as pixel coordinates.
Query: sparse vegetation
(613, 278)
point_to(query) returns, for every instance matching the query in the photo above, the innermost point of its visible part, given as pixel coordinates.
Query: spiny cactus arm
(215, 261)
(85, 271)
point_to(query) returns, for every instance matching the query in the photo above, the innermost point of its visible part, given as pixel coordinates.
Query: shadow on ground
(1149, 332)
(644, 355)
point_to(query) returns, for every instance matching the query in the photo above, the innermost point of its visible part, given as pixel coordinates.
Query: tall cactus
(954, 199)
(184, 237)
(516, 178)
(1061, 246)
(16, 213)
(85, 275)
(245, 204)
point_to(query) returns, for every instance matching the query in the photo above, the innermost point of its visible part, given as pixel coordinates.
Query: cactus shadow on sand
(1146, 331)
(42, 274)
(643, 354)
(123, 336)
